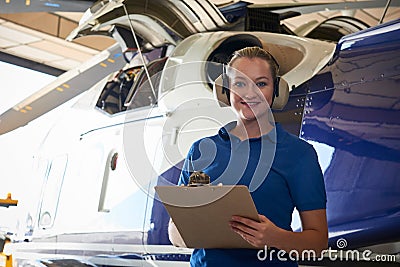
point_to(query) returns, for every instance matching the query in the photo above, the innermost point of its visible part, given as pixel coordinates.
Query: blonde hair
(257, 52)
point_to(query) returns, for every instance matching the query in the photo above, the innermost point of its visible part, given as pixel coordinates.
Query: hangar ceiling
(37, 39)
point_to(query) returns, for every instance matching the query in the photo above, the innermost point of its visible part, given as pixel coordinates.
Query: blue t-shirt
(281, 171)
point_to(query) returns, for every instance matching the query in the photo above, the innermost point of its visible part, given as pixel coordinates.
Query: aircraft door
(124, 174)
(117, 203)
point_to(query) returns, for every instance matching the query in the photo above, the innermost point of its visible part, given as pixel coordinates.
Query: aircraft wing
(64, 88)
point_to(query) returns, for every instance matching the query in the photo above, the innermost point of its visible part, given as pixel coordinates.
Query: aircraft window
(114, 94)
(51, 191)
(141, 94)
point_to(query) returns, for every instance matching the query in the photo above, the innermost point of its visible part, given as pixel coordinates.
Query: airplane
(129, 130)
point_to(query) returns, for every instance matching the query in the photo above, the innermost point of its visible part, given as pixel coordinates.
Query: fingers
(248, 222)
(263, 218)
(246, 236)
(249, 238)
(247, 229)
(242, 228)
(252, 231)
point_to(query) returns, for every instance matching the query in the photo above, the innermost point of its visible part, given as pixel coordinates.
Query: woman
(292, 179)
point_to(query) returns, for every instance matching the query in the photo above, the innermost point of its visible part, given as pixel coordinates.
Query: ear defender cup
(281, 96)
(221, 91)
(276, 89)
(225, 84)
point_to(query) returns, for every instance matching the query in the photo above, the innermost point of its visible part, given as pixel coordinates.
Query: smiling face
(251, 86)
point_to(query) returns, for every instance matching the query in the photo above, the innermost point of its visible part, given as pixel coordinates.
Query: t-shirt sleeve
(306, 182)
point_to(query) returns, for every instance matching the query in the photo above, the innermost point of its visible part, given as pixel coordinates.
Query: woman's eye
(239, 84)
(261, 84)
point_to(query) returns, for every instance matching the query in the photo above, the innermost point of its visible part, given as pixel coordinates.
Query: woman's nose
(250, 91)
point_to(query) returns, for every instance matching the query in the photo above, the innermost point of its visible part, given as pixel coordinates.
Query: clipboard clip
(199, 178)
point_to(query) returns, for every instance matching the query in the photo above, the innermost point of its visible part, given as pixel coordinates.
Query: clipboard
(202, 214)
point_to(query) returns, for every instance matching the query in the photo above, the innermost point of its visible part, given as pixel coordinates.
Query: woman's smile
(250, 103)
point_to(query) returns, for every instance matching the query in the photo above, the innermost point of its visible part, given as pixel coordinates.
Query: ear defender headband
(226, 82)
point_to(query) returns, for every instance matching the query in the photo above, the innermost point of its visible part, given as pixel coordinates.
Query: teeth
(251, 103)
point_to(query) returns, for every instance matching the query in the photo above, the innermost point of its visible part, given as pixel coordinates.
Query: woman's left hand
(258, 234)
